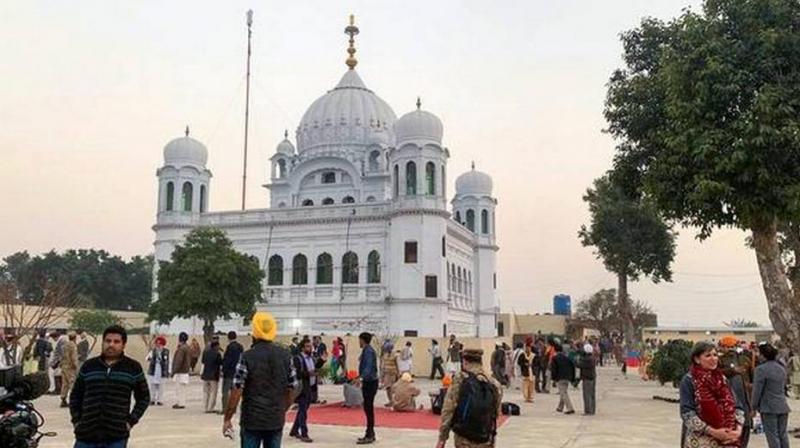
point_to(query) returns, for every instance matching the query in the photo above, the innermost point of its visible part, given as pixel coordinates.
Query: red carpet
(335, 414)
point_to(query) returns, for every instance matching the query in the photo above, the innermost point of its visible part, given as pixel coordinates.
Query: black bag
(509, 409)
(475, 417)
(438, 402)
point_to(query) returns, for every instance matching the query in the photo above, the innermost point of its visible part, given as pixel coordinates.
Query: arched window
(348, 200)
(350, 268)
(458, 217)
(374, 267)
(370, 199)
(471, 220)
(282, 205)
(202, 198)
(469, 283)
(430, 178)
(374, 160)
(281, 168)
(187, 197)
(396, 181)
(275, 270)
(327, 201)
(484, 221)
(444, 246)
(324, 269)
(411, 179)
(444, 190)
(170, 196)
(458, 280)
(299, 270)
(449, 278)
(308, 203)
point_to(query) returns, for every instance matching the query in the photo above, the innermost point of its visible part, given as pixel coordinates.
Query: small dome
(185, 151)
(285, 147)
(476, 183)
(418, 125)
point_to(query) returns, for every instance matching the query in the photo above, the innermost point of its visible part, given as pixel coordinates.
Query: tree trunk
(208, 330)
(625, 309)
(784, 308)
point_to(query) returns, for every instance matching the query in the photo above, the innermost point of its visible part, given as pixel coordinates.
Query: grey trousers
(227, 385)
(775, 430)
(563, 397)
(589, 401)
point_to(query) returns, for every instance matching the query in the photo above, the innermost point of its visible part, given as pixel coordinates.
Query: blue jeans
(121, 443)
(255, 439)
(300, 426)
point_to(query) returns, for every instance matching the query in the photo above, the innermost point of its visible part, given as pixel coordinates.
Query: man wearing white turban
(588, 377)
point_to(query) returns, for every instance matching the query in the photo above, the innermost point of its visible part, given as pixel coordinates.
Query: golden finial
(285, 133)
(419, 103)
(473, 165)
(352, 31)
(187, 130)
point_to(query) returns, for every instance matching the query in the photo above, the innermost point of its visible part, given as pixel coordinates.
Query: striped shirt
(100, 402)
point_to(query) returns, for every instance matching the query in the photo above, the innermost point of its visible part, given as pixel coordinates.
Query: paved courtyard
(627, 416)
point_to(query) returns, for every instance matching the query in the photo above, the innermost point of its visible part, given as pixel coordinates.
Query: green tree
(671, 362)
(706, 111)
(206, 277)
(631, 238)
(93, 322)
(601, 312)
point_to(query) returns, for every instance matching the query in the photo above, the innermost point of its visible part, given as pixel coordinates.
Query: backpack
(438, 403)
(475, 417)
(510, 408)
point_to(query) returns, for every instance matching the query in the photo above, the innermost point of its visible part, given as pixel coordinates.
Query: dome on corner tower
(419, 125)
(285, 146)
(475, 183)
(347, 114)
(185, 151)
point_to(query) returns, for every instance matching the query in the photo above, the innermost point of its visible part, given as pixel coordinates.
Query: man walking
(83, 348)
(306, 365)
(454, 355)
(69, 368)
(436, 360)
(471, 405)
(525, 362)
(266, 379)
(769, 399)
(42, 351)
(588, 377)
(212, 362)
(389, 369)
(194, 355)
(368, 374)
(233, 352)
(181, 366)
(100, 403)
(499, 364)
(563, 374)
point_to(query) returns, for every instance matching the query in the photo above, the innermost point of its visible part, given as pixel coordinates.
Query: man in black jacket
(233, 352)
(306, 365)
(563, 374)
(100, 403)
(588, 367)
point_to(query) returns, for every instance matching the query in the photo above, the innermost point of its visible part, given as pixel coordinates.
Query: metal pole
(247, 106)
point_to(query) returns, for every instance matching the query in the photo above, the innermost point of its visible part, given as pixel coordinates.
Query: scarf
(713, 399)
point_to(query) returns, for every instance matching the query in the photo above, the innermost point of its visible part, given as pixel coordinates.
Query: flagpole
(247, 107)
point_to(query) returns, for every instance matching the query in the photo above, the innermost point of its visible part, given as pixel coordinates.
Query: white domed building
(359, 235)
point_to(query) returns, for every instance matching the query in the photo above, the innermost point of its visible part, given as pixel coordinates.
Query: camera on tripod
(19, 420)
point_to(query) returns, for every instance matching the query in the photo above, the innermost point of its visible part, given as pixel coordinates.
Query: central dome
(346, 115)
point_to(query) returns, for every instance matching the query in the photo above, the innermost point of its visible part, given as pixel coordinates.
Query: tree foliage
(601, 312)
(96, 277)
(631, 238)
(741, 323)
(706, 111)
(206, 277)
(671, 362)
(93, 322)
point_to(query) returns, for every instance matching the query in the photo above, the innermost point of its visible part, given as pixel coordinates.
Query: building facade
(359, 234)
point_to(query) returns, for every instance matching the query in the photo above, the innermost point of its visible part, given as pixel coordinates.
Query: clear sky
(91, 91)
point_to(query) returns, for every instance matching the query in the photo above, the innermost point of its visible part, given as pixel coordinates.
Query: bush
(671, 362)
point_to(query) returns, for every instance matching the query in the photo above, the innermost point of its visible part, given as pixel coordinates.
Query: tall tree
(601, 312)
(706, 111)
(206, 277)
(631, 238)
